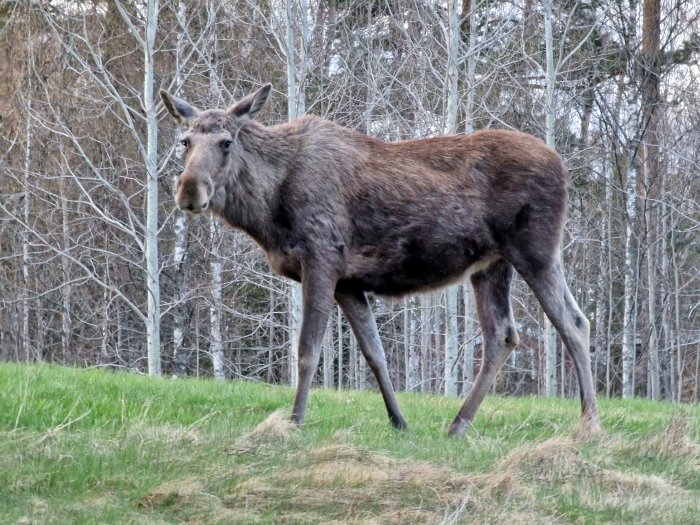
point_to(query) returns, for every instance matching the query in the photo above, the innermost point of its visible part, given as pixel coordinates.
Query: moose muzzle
(192, 195)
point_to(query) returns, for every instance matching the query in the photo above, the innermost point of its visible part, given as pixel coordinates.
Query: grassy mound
(87, 446)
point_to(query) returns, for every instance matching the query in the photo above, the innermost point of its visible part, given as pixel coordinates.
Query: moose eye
(225, 145)
(185, 143)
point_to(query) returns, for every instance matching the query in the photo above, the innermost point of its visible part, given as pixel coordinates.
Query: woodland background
(98, 268)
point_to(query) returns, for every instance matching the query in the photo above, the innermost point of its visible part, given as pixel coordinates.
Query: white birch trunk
(106, 322)
(451, 342)
(151, 241)
(216, 345)
(295, 108)
(471, 70)
(66, 290)
(328, 358)
(26, 345)
(180, 226)
(452, 38)
(470, 340)
(654, 391)
(467, 291)
(630, 310)
(550, 341)
(217, 350)
(340, 348)
(411, 350)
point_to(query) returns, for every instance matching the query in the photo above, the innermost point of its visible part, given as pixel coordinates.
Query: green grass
(88, 446)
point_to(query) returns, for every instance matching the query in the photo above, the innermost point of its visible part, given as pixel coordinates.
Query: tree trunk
(629, 321)
(180, 356)
(340, 347)
(411, 350)
(25, 338)
(151, 244)
(550, 341)
(296, 106)
(216, 344)
(651, 34)
(452, 37)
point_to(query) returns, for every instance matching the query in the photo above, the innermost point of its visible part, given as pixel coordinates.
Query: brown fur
(347, 214)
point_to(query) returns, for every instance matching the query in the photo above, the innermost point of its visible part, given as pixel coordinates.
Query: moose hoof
(398, 423)
(458, 427)
(588, 428)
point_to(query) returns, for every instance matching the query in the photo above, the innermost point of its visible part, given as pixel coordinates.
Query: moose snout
(192, 195)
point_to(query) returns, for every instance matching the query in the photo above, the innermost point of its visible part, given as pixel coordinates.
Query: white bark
(425, 330)
(216, 345)
(328, 359)
(629, 343)
(180, 226)
(452, 38)
(629, 319)
(26, 345)
(472, 56)
(217, 350)
(654, 391)
(411, 350)
(451, 342)
(151, 237)
(340, 348)
(550, 340)
(470, 340)
(295, 107)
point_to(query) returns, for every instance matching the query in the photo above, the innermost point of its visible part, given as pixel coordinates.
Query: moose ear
(181, 111)
(252, 104)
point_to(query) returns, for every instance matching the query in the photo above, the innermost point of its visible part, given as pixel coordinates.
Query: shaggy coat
(346, 214)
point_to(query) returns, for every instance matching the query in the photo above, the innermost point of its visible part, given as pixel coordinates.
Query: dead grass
(339, 482)
(675, 440)
(342, 483)
(172, 492)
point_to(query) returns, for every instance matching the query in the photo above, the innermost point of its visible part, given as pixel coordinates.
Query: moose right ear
(181, 111)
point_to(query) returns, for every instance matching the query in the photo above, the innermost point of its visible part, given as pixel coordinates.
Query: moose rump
(346, 214)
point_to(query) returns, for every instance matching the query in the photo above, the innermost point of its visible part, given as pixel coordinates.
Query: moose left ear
(181, 111)
(252, 104)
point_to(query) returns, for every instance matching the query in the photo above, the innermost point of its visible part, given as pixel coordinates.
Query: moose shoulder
(346, 214)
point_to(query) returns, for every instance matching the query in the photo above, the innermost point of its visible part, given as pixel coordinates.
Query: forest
(98, 268)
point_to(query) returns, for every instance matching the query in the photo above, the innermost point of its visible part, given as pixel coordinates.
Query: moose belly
(412, 266)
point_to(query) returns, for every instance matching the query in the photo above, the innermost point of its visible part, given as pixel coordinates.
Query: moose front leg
(317, 299)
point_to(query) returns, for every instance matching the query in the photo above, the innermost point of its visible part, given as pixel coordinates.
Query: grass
(88, 446)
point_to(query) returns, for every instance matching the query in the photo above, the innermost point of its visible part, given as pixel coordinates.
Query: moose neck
(266, 154)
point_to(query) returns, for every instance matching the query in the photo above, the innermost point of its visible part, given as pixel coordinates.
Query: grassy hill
(87, 446)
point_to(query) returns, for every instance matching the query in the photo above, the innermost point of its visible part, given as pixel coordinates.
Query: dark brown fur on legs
(346, 214)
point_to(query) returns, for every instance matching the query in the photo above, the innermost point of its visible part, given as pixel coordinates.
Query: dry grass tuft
(172, 493)
(276, 429)
(675, 440)
(277, 426)
(554, 460)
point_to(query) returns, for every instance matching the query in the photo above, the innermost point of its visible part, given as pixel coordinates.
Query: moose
(346, 214)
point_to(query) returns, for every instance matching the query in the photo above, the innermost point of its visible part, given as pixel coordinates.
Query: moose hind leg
(499, 336)
(359, 313)
(555, 297)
